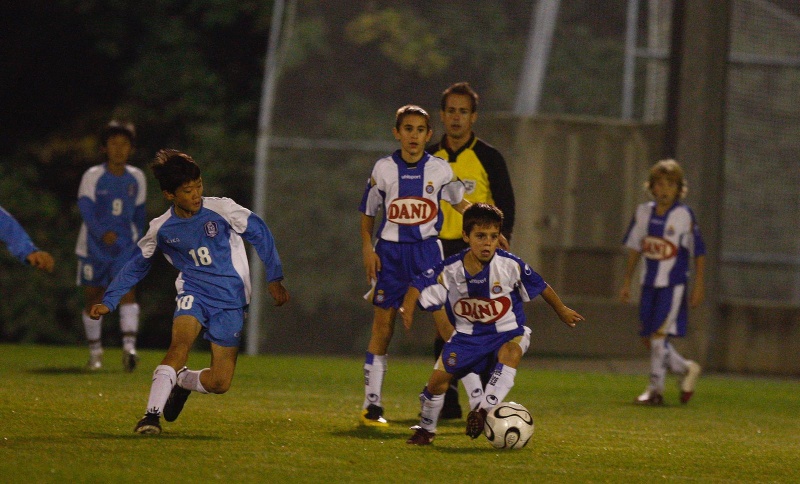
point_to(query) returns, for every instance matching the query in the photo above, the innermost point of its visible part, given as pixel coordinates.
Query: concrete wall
(576, 182)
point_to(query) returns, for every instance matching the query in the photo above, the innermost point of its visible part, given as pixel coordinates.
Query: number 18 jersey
(208, 250)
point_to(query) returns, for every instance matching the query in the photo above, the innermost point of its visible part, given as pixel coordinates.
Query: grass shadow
(67, 370)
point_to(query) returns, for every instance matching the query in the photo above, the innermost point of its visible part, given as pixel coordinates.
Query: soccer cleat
(372, 416)
(175, 401)
(129, 360)
(649, 398)
(421, 436)
(95, 362)
(148, 425)
(689, 380)
(476, 419)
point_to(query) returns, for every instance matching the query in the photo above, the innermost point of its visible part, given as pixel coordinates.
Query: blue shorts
(400, 263)
(663, 310)
(466, 353)
(98, 272)
(223, 327)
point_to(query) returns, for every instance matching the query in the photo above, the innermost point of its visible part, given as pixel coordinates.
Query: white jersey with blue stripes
(410, 196)
(667, 243)
(208, 250)
(490, 301)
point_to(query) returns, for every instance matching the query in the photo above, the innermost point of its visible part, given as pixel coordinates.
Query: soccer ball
(509, 425)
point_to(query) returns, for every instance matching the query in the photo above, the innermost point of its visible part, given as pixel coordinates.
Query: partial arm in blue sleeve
(15, 237)
(140, 219)
(131, 273)
(259, 235)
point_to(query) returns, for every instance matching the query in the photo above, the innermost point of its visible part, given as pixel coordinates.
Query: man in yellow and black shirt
(483, 170)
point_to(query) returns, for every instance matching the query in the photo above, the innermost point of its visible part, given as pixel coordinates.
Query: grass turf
(295, 419)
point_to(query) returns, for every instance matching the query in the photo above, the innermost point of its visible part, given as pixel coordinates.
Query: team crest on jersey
(497, 288)
(211, 228)
(657, 248)
(469, 185)
(429, 188)
(411, 211)
(481, 309)
(380, 297)
(428, 273)
(670, 231)
(452, 359)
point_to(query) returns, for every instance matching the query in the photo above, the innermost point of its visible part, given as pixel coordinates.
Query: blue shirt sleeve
(259, 235)
(15, 237)
(131, 273)
(86, 207)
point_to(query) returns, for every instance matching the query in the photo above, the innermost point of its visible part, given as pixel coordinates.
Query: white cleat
(689, 380)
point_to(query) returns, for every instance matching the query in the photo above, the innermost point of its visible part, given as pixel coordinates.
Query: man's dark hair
(460, 88)
(172, 169)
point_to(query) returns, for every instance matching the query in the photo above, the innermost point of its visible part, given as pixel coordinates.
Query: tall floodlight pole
(260, 182)
(537, 52)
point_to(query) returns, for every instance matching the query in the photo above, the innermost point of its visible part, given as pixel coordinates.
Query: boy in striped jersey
(483, 290)
(665, 232)
(408, 187)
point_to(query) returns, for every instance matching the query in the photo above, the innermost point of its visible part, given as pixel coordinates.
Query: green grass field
(295, 419)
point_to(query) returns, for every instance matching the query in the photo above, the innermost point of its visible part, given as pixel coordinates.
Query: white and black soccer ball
(508, 425)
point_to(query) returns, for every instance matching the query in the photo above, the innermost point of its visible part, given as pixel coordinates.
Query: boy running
(202, 238)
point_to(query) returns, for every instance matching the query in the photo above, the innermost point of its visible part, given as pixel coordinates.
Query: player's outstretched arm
(569, 316)
(409, 305)
(41, 260)
(278, 293)
(98, 310)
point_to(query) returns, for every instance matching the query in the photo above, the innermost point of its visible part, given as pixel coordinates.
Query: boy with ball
(482, 289)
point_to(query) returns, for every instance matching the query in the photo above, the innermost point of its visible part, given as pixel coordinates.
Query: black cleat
(421, 436)
(476, 419)
(129, 360)
(175, 401)
(148, 425)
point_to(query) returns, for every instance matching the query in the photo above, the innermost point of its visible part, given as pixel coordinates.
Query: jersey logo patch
(656, 248)
(211, 228)
(429, 188)
(481, 309)
(469, 184)
(411, 211)
(452, 359)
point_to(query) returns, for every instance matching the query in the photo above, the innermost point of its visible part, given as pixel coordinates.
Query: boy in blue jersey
(407, 186)
(20, 244)
(111, 199)
(665, 232)
(202, 238)
(482, 289)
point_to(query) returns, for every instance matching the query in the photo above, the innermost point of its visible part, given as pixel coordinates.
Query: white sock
(374, 371)
(500, 383)
(129, 325)
(430, 408)
(675, 362)
(93, 327)
(163, 380)
(474, 387)
(658, 365)
(190, 380)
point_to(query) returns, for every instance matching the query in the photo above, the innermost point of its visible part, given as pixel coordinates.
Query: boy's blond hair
(671, 170)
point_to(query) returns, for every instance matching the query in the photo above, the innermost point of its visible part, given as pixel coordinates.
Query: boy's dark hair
(118, 127)
(482, 214)
(460, 88)
(411, 109)
(173, 168)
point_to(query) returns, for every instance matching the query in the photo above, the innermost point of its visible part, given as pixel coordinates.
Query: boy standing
(482, 289)
(665, 232)
(408, 186)
(202, 238)
(20, 245)
(111, 199)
